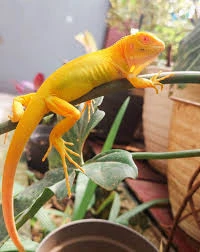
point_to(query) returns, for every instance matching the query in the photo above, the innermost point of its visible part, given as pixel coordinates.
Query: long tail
(32, 116)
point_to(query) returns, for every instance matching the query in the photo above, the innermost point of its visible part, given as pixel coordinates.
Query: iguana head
(140, 49)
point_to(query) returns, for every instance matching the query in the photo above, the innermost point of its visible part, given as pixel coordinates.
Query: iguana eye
(144, 39)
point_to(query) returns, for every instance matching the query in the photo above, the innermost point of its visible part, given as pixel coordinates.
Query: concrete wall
(38, 34)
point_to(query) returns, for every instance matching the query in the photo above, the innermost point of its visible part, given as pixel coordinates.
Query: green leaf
(51, 179)
(58, 189)
(115, 126)
(45, 220)
(55, 212)
(84, 196)
(124, 218)
(85, 188)
(114, 211)
(28, 244)
(28, 203)
(84, 191)
(108, 169)
(188, 57)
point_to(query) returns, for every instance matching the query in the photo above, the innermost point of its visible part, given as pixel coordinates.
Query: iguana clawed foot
(156, 81)
(90, 106)
(60, 146)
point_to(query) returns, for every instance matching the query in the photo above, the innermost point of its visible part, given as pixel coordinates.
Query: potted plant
(185, 134)
(157, 109)
(156, 121)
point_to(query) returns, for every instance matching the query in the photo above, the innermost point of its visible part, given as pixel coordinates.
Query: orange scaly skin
(125, 59)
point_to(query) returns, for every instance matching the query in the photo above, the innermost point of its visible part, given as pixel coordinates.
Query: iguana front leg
(144, 83)
(72, 114)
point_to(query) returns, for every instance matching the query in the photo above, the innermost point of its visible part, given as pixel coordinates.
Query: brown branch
(191, 201)
(188, 214)
(177, 218)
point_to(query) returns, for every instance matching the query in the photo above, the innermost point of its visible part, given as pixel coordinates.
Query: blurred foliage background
(171, 20)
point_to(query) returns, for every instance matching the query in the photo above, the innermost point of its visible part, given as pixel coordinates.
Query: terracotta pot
(156, 121)
(184, 134)
(190, 92)
(95, 235)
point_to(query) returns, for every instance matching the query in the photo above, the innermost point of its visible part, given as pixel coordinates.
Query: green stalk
(115, 126)
(105, 203)
(91, 186)
(124, 218)
(166, 155)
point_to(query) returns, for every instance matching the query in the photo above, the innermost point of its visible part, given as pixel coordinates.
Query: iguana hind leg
(72, 114)
(19, 103)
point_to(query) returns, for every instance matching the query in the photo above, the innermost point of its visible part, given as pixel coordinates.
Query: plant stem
(124, 84)
(7, 126)
(105, 203)
(125, 217)
(166, 155)
(115, 126)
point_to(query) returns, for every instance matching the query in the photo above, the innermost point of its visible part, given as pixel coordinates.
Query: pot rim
(92, 220)
(175, 98)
